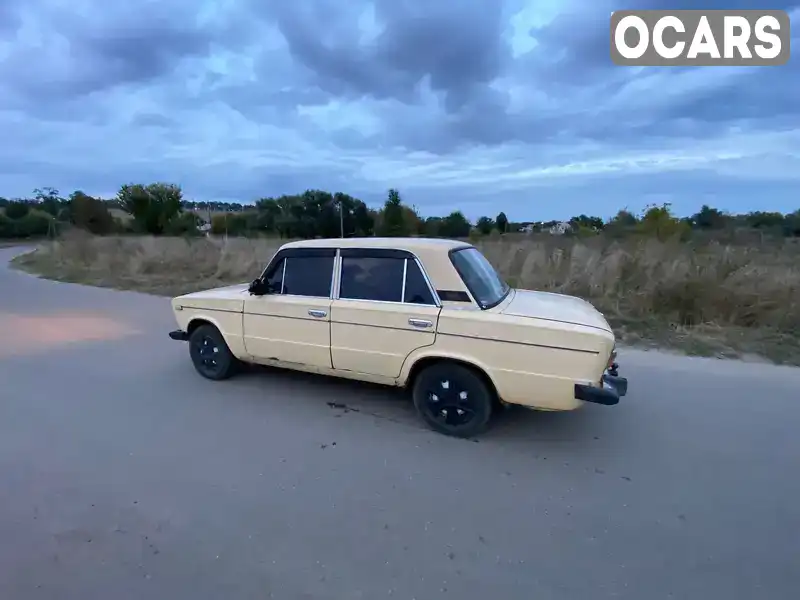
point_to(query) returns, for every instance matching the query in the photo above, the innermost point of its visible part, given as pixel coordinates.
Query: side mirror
(257, 287)
(261, 287)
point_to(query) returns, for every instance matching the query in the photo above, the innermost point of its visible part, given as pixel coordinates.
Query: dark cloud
(456, 46)
(92, 46)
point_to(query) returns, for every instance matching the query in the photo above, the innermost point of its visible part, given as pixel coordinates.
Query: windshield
(479, 275)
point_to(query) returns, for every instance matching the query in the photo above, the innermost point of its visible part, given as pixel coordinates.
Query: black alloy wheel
(452, 399)
(210, 354)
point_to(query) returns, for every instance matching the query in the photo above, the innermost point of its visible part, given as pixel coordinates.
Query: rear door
(292, 324)
(383, 309)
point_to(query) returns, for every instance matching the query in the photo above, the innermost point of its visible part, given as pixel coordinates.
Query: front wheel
(453, 400)
(210, 354)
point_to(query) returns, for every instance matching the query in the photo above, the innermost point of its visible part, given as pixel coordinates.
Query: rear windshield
(480, 277)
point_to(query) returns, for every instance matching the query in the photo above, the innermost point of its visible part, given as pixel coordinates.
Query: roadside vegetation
(711, 284)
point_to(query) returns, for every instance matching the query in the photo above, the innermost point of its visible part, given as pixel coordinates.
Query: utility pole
(341, 219)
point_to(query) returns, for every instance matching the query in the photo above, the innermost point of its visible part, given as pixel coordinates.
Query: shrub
(90, 214)
(6, 227)
(658, 222)
(184, 223)
(17, 210)
(152, 206)
(219, 224)
(33, 224)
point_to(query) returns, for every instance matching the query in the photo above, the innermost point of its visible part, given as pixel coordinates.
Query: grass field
(705, 298)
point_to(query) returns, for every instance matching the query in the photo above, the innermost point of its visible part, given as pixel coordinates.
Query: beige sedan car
(431, 315)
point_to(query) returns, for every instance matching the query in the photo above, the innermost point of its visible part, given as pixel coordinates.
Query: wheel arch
(421, 363)
(199, 321)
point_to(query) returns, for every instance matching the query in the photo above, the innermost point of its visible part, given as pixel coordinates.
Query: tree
(709, 218)
(485, 225)
(587, 223)
(659, 222)
(432, 226)
(392, 218)
(791, 227)
(152, 206)
(621, 225)
(415, 225)
(184, 223)
(363, 219)
(455, 225)
(502, 222)
(90, 214)
(16, 209)
(49, 200)
(764, 220)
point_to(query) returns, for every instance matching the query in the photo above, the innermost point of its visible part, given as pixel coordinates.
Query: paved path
(124, 475)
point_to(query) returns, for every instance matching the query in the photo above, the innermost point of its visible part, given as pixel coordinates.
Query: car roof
(400, 243)
(432, 252)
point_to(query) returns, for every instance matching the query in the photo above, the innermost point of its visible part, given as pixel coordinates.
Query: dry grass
(710, 299)
(159, 265)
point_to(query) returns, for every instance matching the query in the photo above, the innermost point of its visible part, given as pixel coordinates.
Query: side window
(308, 276)
(275, 277)
(417, 290)
(372, 279)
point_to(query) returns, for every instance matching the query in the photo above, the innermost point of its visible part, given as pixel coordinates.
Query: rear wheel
(210, 354)
(453, 400)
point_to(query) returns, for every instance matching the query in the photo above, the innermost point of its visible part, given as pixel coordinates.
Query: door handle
(421, 323)
(317, 313)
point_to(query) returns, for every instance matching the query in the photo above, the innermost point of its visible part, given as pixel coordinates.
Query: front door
(385, 310)
(292, 323)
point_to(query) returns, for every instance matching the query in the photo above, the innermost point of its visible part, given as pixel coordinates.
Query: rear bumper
(613, 388)
(179, 335)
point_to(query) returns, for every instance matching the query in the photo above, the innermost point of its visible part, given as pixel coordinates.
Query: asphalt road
(123, 474)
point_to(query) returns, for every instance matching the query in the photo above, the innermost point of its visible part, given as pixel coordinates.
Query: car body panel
(229, 298)
(221, 307)
(228, 322)
(288, 329)
(534, 347)
(532, 365)
(377, 337)
(554, 307)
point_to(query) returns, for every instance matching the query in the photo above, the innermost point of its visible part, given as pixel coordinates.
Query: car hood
(230, 297)
(554, 307)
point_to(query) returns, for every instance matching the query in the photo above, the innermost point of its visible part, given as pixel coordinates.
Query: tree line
(161, 209)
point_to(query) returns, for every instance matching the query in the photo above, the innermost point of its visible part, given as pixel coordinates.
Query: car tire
(210, 354)
(452, 399)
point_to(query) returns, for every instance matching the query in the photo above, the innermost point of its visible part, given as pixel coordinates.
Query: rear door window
(417, 290)
(368, 278)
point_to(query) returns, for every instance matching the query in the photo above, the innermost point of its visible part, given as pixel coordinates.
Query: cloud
(477, 105)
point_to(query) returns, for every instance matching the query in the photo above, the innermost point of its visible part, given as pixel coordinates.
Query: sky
(477, 105)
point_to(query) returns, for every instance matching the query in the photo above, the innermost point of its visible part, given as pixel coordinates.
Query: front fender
(229, 324)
